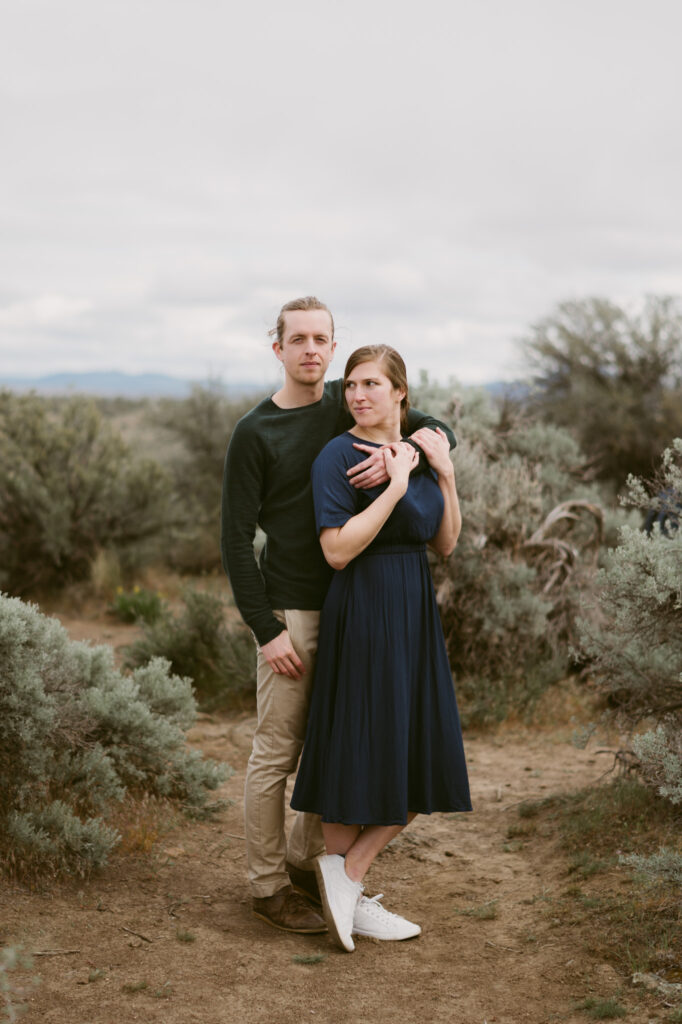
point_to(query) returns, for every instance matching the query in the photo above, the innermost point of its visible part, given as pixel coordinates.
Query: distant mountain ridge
(115, 384)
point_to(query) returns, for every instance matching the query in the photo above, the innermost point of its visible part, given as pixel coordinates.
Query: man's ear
(277, 349)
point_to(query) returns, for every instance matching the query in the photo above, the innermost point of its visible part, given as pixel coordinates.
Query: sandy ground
(168, 935)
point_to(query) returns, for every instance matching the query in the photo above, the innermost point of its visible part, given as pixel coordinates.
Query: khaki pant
(277, 743)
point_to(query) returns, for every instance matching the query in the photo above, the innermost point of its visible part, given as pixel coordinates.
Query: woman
(383, 741)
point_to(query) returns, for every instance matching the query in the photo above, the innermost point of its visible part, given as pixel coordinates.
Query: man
(267, 483)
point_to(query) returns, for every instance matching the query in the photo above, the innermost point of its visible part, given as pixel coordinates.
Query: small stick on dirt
(55, 952)
(231, 835)
(138, 935)
(497, 946)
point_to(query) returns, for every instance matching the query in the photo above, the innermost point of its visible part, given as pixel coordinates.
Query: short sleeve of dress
(334, 496)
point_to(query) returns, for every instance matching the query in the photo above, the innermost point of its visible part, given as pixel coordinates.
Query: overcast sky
(440, 172)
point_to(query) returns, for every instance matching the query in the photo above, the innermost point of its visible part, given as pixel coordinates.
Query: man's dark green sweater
(267, 483)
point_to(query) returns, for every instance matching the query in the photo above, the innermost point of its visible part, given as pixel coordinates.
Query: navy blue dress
(383, 734)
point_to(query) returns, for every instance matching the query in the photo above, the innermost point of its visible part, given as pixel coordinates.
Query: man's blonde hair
(308, 302)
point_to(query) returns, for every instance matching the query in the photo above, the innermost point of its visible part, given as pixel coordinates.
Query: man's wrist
(264, 635)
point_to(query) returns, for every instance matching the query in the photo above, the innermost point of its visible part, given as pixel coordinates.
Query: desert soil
(165, 933)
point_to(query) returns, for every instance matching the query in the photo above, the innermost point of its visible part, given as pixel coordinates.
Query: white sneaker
(372, 920)
(340, 895)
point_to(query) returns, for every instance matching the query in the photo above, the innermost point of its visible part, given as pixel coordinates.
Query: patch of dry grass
(142, 823)
(634, 928)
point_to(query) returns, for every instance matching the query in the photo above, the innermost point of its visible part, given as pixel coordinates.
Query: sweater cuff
(266, 630)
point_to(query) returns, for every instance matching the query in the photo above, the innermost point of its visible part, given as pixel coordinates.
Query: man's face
(307, 347)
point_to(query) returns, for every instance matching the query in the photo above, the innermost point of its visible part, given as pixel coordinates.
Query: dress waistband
(392, 549)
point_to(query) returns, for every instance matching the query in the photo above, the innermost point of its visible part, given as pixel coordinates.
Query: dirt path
(170, 937)
(165, 934)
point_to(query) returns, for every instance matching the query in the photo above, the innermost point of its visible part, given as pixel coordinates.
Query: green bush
(70, 487)
(135, 604)
(13, 992)
(199, 429)
(602, 1009)
(531, 537)
(664, 866)
(612, 377)
(75, 736)
(634, 647)
(197, 642)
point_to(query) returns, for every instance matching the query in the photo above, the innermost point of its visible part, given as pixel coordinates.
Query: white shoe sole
(347, 944)
(386, 938)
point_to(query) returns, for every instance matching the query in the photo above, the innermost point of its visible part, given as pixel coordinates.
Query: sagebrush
(69, 488)
(532, 534)
(77, 735)
(199, 428)
(198, 642)
(14, 988)
(634, 647)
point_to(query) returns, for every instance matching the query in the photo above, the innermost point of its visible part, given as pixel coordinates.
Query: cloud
(43, 311)
(440, 176)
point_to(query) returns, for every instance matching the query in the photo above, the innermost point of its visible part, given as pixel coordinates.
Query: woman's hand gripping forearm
(340, 544)
(435, 445)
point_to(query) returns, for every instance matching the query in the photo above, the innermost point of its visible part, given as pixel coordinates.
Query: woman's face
(371, 397)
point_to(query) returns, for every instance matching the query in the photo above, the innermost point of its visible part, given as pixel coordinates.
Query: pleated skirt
(383, 735)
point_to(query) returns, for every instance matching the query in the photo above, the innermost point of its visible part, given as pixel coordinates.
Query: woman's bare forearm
(448, 532)
(340, 544)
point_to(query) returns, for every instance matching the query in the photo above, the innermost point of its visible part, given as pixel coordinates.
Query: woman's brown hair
(393, 366)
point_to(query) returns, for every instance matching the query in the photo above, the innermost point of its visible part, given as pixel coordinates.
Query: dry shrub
(70, 488)
(76, 737)
(198, 642)
(532, 533)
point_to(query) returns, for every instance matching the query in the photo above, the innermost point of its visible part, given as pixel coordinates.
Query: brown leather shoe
(290, 912)
(304, 882)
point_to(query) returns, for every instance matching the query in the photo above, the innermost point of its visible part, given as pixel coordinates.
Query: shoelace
(375, 902)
